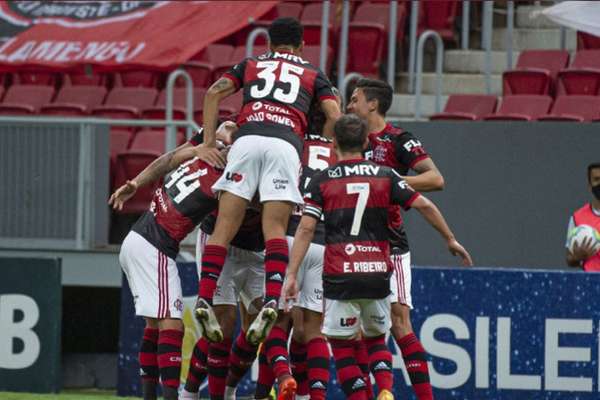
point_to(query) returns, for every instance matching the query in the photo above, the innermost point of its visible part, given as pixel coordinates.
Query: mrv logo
(558, 359)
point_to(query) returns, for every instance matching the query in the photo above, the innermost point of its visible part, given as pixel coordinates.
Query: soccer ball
(581, 233)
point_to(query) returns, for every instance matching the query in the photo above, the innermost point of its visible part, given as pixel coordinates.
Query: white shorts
(152, 277)
(401, 280)
(242, 277)
(344, 318)
(310, 278)
(268, 164)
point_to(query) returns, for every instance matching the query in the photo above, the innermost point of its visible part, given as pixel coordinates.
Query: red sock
(277, 353)
(213, 259)
(276, 261)
(349, 374)
(148, 357)
(169, 357)
(299, 367)
(266, 378)
(218, 364)
(362, 358)
(380, 362)
(416, 365)
(197, 372)
(241, 358)
(318, 368)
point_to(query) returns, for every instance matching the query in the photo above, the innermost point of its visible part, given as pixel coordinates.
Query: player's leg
(413, 353)
(297, 350)
(376, 321)
(148, 358)
(341, 325)
(278, 358)
(197, 371)
(362, 359)
(170, 338)
(218, 353)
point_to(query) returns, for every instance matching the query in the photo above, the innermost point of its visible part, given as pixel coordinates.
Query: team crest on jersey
(379, 154)
(178, 304)
(335, 173)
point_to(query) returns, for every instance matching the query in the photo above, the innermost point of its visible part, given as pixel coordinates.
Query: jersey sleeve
(409, 150)
(402, 194)
(313, 198)
(323, 88)
(236, 74)
(198, 138)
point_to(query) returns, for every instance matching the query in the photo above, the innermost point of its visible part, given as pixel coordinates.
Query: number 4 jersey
(279, 89)
(354, 197)
(180, 204)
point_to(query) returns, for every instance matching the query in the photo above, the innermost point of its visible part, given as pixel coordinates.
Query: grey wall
(510, 189)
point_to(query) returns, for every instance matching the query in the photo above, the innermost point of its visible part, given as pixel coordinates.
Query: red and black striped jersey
(354, 196)
(318, 154)
(181, 203)
(279, 89)
(399, 150)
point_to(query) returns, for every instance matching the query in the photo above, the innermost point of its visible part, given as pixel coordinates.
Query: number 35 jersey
(279, 89)
(354, 197)
(180, 204)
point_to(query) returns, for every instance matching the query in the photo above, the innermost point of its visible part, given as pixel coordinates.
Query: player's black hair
(377, 90)
(590, 168)
(350, 133)
(286, 32)
(316, 116)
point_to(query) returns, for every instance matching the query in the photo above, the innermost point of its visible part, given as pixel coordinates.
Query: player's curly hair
(316, 116)
(350, 133)
(377, 90)
(286, 32)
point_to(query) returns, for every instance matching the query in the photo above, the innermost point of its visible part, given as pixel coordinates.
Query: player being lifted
(402, 151)
(354, 197)
(279, 88)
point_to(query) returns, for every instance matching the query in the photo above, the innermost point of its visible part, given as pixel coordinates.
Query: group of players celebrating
(321, 255)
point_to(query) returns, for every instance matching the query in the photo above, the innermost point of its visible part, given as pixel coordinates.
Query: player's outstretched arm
(332, 112)
(428, 178)
(304, 235)
(218, 91)
(581, 252)
(433, 215)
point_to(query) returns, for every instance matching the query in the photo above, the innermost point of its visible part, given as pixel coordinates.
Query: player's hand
(456, 249)
(290, 292)
(122, 194)
(211, 155)
(583, 251)
(225, 132)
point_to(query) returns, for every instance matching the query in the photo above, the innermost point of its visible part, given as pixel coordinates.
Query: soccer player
(279, 88)
(354, 197)
(147, 258)
(401, 151)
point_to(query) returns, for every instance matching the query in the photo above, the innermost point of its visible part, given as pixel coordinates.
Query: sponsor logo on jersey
(379, 154)
(412, 145)
(335, 173)
(378, 319)
(365, 266)
(289, 57)
(280, 184)
(345, 322)
(352, 248)
(361, 169)
(234, 177)
(257, 106)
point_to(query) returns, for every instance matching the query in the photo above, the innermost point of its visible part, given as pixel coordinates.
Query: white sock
(185, 395)
(230, 392)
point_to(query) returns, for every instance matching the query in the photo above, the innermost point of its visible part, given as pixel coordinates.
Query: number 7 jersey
(354, 197)
(279, 89)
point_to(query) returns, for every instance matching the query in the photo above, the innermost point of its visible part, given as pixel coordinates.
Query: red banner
(157, 34)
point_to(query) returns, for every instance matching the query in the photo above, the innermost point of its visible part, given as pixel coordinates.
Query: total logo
(234, 177)
(352, 248)
(257, 106)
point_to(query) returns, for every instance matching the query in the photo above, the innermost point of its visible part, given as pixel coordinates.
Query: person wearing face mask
(583, 255)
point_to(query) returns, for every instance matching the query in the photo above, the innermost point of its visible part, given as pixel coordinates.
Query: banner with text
(490, 334)
(157, 34)
(30, 320)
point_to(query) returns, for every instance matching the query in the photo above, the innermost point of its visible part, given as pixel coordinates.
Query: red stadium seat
(139, 78)
(153, 140)
(43, 78)
(521, 108)
(75, 100)
(583, 76)
(535, 72)
(438, 16)
(25, 99)
(467, 107)
(180, 99)
(127, 166)
(311, 21)
(587, 41)
(126, 102)
(80, 78)
(312, 54)
(118, 142)
(574, 108)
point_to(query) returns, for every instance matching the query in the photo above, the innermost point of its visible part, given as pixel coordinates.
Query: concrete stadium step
(403, 106)
(525, 38)
(473, 61)
(529, 16)
(453, 83)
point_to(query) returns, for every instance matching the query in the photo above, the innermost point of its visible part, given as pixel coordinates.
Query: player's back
(354, 196)
(183, 200)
